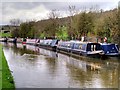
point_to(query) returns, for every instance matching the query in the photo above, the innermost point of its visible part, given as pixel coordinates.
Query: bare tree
(15, 22)
(51, 28)
(54, 14)
(72, 10)
(71, 28)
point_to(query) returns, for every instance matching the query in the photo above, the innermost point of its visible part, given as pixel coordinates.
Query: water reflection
(22, 49)
(93, 74)
(39, 68)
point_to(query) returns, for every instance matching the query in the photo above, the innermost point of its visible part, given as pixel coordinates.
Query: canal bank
(6, 78)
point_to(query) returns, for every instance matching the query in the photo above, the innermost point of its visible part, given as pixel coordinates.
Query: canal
(34, 67)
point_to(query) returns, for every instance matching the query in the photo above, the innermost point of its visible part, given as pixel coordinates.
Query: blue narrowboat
(64, 46)
(110, 49)
(87, 48)
(50, 44)
(81, 48)
(54, 44)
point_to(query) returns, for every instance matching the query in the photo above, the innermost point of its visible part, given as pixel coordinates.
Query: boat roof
(107, 43)
(82, 42)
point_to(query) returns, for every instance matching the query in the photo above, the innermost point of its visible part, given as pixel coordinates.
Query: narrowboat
(110, 49)
(64, 46)
(81, 48)
(45, 43)
(24, 41)
(32, 41)
(15, 40)
(4, 39)
(54, 44)
(50, 44)
(87, 48)
(12, 40)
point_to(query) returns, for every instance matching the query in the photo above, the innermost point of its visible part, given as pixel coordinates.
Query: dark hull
(54, 48)
(3, 40)
(63, 49)
(74, 52)
(31, 44)
(78, 55)
(112, 55)
(14, 41)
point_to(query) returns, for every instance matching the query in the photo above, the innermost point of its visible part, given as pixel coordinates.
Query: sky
(27, 10)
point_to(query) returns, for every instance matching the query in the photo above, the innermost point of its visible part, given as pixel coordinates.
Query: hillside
(97, 24)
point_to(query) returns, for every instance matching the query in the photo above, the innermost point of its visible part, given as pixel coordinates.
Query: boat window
(53, 42)
(88, 47)
(76, 46)
(68, 45)
(98, 47)
(80, 46)
(84, 47)
(72, 45)
(65, 44)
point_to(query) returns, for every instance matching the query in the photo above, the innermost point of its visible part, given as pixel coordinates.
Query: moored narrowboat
(50, 44)
(54, 44)
(4, 39)
(45, 43)
(32, 41)
(64, 46)
(110, 49)
(12, 40)
(87, 48)
(81, 48)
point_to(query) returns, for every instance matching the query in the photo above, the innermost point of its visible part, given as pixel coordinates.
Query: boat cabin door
(93, 47)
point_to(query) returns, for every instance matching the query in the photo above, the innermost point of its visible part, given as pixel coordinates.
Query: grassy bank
(0, 67)
(5, 34)
(5, 74)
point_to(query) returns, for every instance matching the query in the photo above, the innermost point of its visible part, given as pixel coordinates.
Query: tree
(72, 10)
(15, 33)
(62, 33)
(51, 29)
(84, 24)
(15, 23)
(107, 25)
(80, 22)
(54, 14)
(72, 19)
(27, 30)
(115, 21)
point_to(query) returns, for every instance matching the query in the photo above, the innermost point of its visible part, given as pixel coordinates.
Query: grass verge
(5, 34)
(6, 79)
(0, 67)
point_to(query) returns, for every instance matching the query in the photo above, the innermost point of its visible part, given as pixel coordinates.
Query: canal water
(34, 67)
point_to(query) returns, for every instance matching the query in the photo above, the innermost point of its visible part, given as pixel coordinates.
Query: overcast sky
(37, 9)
